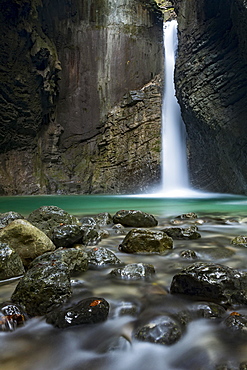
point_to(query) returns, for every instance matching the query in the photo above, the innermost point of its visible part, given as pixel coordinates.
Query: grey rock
(10, 262)
(134, 219)
(102, 256)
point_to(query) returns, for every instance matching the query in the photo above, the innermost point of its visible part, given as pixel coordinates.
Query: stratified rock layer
(211, 79)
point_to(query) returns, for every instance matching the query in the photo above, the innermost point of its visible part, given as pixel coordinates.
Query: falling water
(175, 180)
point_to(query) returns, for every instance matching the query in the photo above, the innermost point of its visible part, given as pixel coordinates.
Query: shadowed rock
(134, 219)
(10, 262)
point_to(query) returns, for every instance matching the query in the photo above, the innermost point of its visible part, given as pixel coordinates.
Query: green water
(93, 204)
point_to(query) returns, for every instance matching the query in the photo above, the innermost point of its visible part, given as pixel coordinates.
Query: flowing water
(204, 343)
(175, 179)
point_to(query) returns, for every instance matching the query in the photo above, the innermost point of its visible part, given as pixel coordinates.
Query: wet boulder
(10, 262)
(7, 217)
(237, 324)
(188, 254)
(180, 233)
(211, 282)
(134, 219)
(46, 218)
(146, 241)
(44, 287)
(207, 310)
(162, 330)
(27, 240)
(75, 258)
(91, 232)
(102, 256)
(103, 219)
(11, 316)
(88, 311)
(134, 271)
(66, 235)
(240, 240)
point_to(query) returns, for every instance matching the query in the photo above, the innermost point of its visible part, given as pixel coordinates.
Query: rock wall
(69, 66)
(211, 80)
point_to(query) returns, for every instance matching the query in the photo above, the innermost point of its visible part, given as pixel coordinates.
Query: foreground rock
(162, 330)
(88, 311)
(11, 316)
(146, 241)
(180, 233)
(10, 262)
(134, 219)
(76, 259)
(44, 287)
(237, 324)
(134, 271)
(46, 218)
(7, 217)
(27, 240)
(212, 282)
(102, 256)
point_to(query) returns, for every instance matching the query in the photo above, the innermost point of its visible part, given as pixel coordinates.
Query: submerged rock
(134, 271)
(240, 240)
(7, 217)
(102, 256)
(212, 282)
(75, 258)
(47, 218)
(180, 233)
(207, 310)
(134, 219)
(11, 316)
(43, 287)
(88, 311)
(146, 241)
(10, 262)
(188, 254)
(27, 240)
(162, 330)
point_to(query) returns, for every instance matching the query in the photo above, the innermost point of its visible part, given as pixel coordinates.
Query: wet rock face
(79, 96)
(212, 282)
(88, 311)
(211, 77)
(146, 241)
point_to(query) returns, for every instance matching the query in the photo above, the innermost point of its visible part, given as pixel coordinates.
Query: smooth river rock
(134, 271)
(134, 219)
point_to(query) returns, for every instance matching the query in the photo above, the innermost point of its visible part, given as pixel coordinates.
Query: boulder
(134, 271)
(7, 217)
(66, 235)
(237, 324)
(134, 219)
(11, 316)
(88, 311)
(10, 262)
(207, 310)
(162, 330)
(43, 287)
(188, 254)
(240, 240)
(211, 282)
(146, 241)
(102, 256)
(27, 240)
(46, 218)
(91, 232)
(75, 258)
(103, 219)
(180, 233)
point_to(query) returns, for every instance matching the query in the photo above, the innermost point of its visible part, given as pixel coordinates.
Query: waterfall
(175, 179)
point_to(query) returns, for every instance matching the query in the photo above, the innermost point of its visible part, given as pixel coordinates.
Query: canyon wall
(80, 96)
(211, 82)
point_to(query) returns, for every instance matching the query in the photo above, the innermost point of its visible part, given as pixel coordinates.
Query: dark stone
(7, 217)
(146, 241)
(91, 310)
(46, 218)
(102, 256)
(43, 287)
(211, 282)
(240, 240)
(66, 235)
(134, 271)
(188, 254)
(187, 216)
(237, 324)
(162, 330)
(134, 219)
(11, 316)
(75, 258)
(179, 233)
(91, 231)
(10, 262)
(207, 310)
(103, 219)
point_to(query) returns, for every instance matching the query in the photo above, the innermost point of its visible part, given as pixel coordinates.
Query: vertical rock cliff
(80, 96)
(211, 80)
